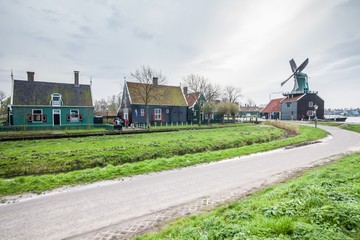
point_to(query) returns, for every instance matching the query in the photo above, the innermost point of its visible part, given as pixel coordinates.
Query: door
(56, 117)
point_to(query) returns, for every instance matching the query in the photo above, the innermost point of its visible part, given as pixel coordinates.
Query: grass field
(216, 144)
(352, 127)
(22, 158)
(322, 204)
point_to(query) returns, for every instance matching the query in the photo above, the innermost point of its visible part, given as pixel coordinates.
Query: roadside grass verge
(40, 183)
(352, 127)
(36, 157)
(322, 204)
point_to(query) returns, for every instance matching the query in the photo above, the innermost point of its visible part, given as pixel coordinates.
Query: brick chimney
(76, 78)
(30, 76)
(155, 80)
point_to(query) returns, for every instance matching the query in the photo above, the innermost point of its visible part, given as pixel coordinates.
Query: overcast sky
(245, 44)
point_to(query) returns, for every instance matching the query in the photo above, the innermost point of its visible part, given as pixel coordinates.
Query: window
(142, 112)
(288, 104)
(56, 99)
(157, 113)
(311, 104)
(37, 115)
(74, 115)
(201, 103)
(167, 111)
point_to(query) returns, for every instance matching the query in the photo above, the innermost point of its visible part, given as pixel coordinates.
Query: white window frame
(142, 112)
(311, 104)
(74, 117)
(36, 117)
(56, 102)
(157, 113)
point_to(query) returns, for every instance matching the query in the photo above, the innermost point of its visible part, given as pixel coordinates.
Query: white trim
(75, 119)
(41, 115)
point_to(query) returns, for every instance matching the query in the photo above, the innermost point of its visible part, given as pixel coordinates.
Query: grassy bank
(22, 158)
(44, 182)
(322, 204)
(352, 127)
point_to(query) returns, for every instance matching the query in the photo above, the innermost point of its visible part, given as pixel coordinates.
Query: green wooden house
(167, 104)
(36, 104)
(195, 102)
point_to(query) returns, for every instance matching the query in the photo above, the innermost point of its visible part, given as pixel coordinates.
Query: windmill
(301, 84)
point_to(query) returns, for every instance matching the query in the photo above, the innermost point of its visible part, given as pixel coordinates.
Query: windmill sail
(293, 65)
(303, 65)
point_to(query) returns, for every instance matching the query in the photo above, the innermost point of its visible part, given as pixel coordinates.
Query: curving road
(80, 210)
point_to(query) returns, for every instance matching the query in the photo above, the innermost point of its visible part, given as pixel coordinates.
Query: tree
(147, 91)
(4, 102)
(100, 106)
(195, 83)
(198, 83)
(208, 108)
(223, 109)
(113, 103)
(212, 92)
(232, 94)
(233, 110)
(251, 102)
(2, 96)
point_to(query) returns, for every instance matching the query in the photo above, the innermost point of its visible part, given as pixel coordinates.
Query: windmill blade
(303, 65)
(293, 65)
(287, 79)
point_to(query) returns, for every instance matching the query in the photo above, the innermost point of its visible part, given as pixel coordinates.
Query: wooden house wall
(20, 115)
(169, 113)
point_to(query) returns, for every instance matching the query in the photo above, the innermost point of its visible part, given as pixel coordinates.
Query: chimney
(155, 80)
(30, 76)
(185, 91)
(76, 78)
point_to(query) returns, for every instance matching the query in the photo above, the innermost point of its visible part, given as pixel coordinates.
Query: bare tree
(2, 96)
(4, 102)
(232, 94)
(251, 102)
(100, 106)
(113, 103)
(198, 83)
(195, 83)
(212, 92)
(150, 80)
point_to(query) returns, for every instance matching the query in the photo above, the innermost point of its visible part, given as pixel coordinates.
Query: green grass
(44, 182)
(50, 132)
(22, 158)
(352, 127)
(322, 204)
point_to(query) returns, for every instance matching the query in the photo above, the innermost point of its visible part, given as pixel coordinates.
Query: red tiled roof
(191, 98)
(273, 106)
(250, 109)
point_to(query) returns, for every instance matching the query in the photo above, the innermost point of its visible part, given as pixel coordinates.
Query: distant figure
(126, 123)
